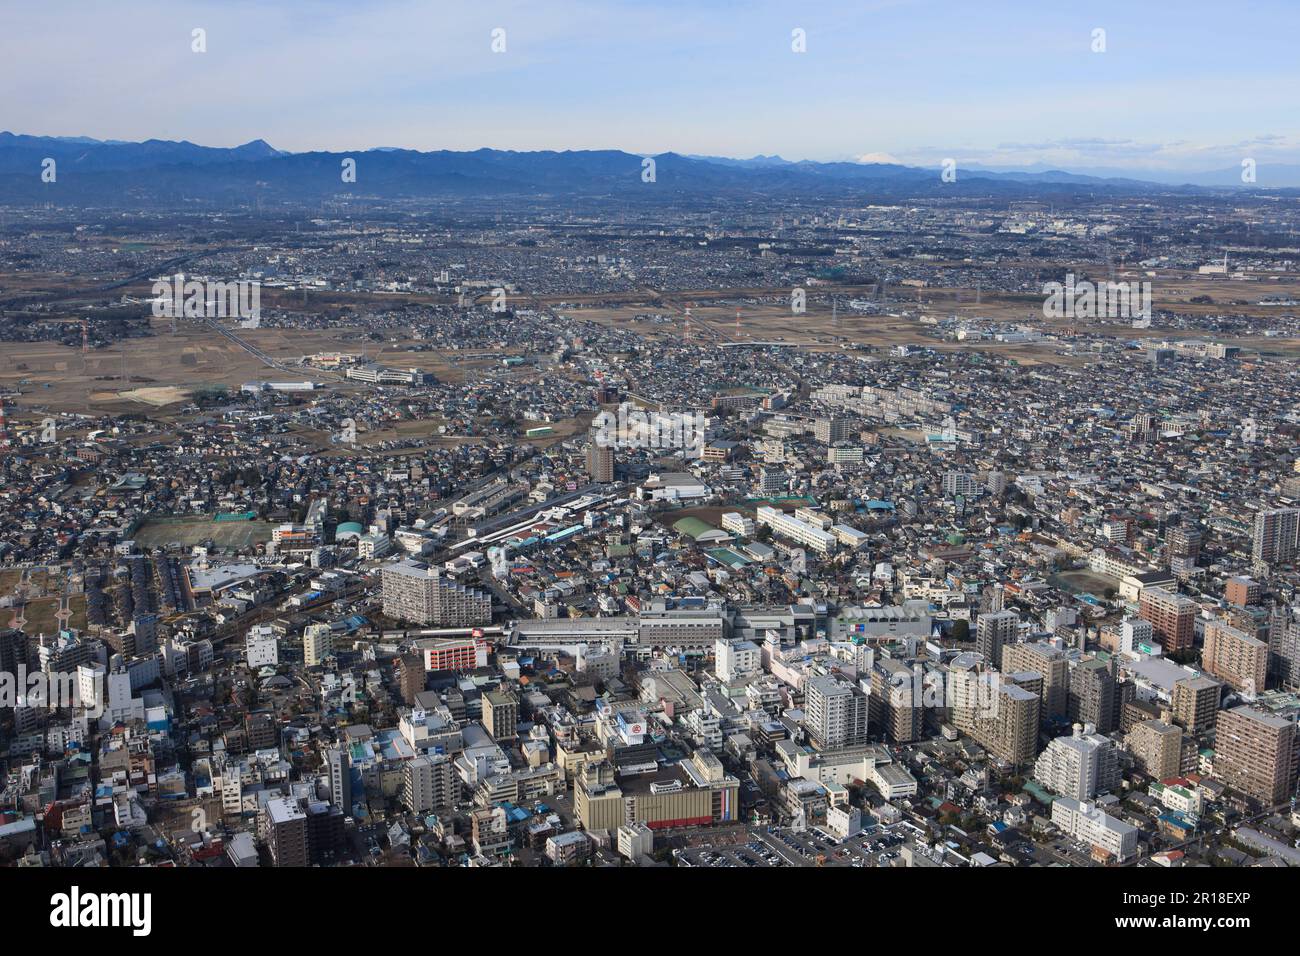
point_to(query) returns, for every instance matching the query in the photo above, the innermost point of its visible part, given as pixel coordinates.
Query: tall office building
(836, 713)
(1080, 766)
(992, 632)
(417, 593)
(1172, 617)
(1255, 752)
(1235, 657)
(340, 778)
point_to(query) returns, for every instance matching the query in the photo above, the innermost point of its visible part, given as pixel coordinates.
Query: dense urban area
(691, 533)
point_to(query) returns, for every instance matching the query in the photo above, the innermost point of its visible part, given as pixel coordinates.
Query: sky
(1187, 86)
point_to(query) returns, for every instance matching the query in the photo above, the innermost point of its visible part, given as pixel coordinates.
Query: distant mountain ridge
(161, 170)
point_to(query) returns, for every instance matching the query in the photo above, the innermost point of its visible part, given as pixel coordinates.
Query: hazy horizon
(905, 81)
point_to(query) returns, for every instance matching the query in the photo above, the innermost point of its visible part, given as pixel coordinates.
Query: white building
(735, 659)
(1079, 766)
(1087, 823)
(796, 530)
(261, 647)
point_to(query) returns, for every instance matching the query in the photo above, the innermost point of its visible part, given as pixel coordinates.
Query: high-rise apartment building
(317, 644)
(1048, 660)
(1284, 646)
(1095, 696)
(1242, 591)
(1195, 702)
(1276, 537)
(836, 713)
(429, 784)
(600, 462)
(1255, 752)
(501, 714)
(419, 594)
(340, 766)
(284, 828)
(1160, 749)
(1235, 657)
(1172, 617)
(993, 632)
(894, 704)
(1000, 712)
(1080, 766)
(1183, 546)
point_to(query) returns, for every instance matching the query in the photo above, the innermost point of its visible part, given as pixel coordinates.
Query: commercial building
(692, 792)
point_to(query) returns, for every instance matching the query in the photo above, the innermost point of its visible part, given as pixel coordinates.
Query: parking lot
(777, 846)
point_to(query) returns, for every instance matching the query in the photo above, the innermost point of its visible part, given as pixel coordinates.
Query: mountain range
(115, 172)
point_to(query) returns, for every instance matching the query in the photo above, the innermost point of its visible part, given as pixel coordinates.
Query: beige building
(998, 711)
(1255, 752)
(1235, 657)
(1161, 750)
(1196, 703)
(317, 644)
(1048, 660)
(692, 792)
(501, 714)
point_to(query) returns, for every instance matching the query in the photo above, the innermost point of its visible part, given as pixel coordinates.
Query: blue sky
(1187, 86)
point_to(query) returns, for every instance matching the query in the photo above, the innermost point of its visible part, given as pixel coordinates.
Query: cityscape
(514, 508)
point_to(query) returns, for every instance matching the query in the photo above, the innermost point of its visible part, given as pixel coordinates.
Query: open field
(189, 531)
